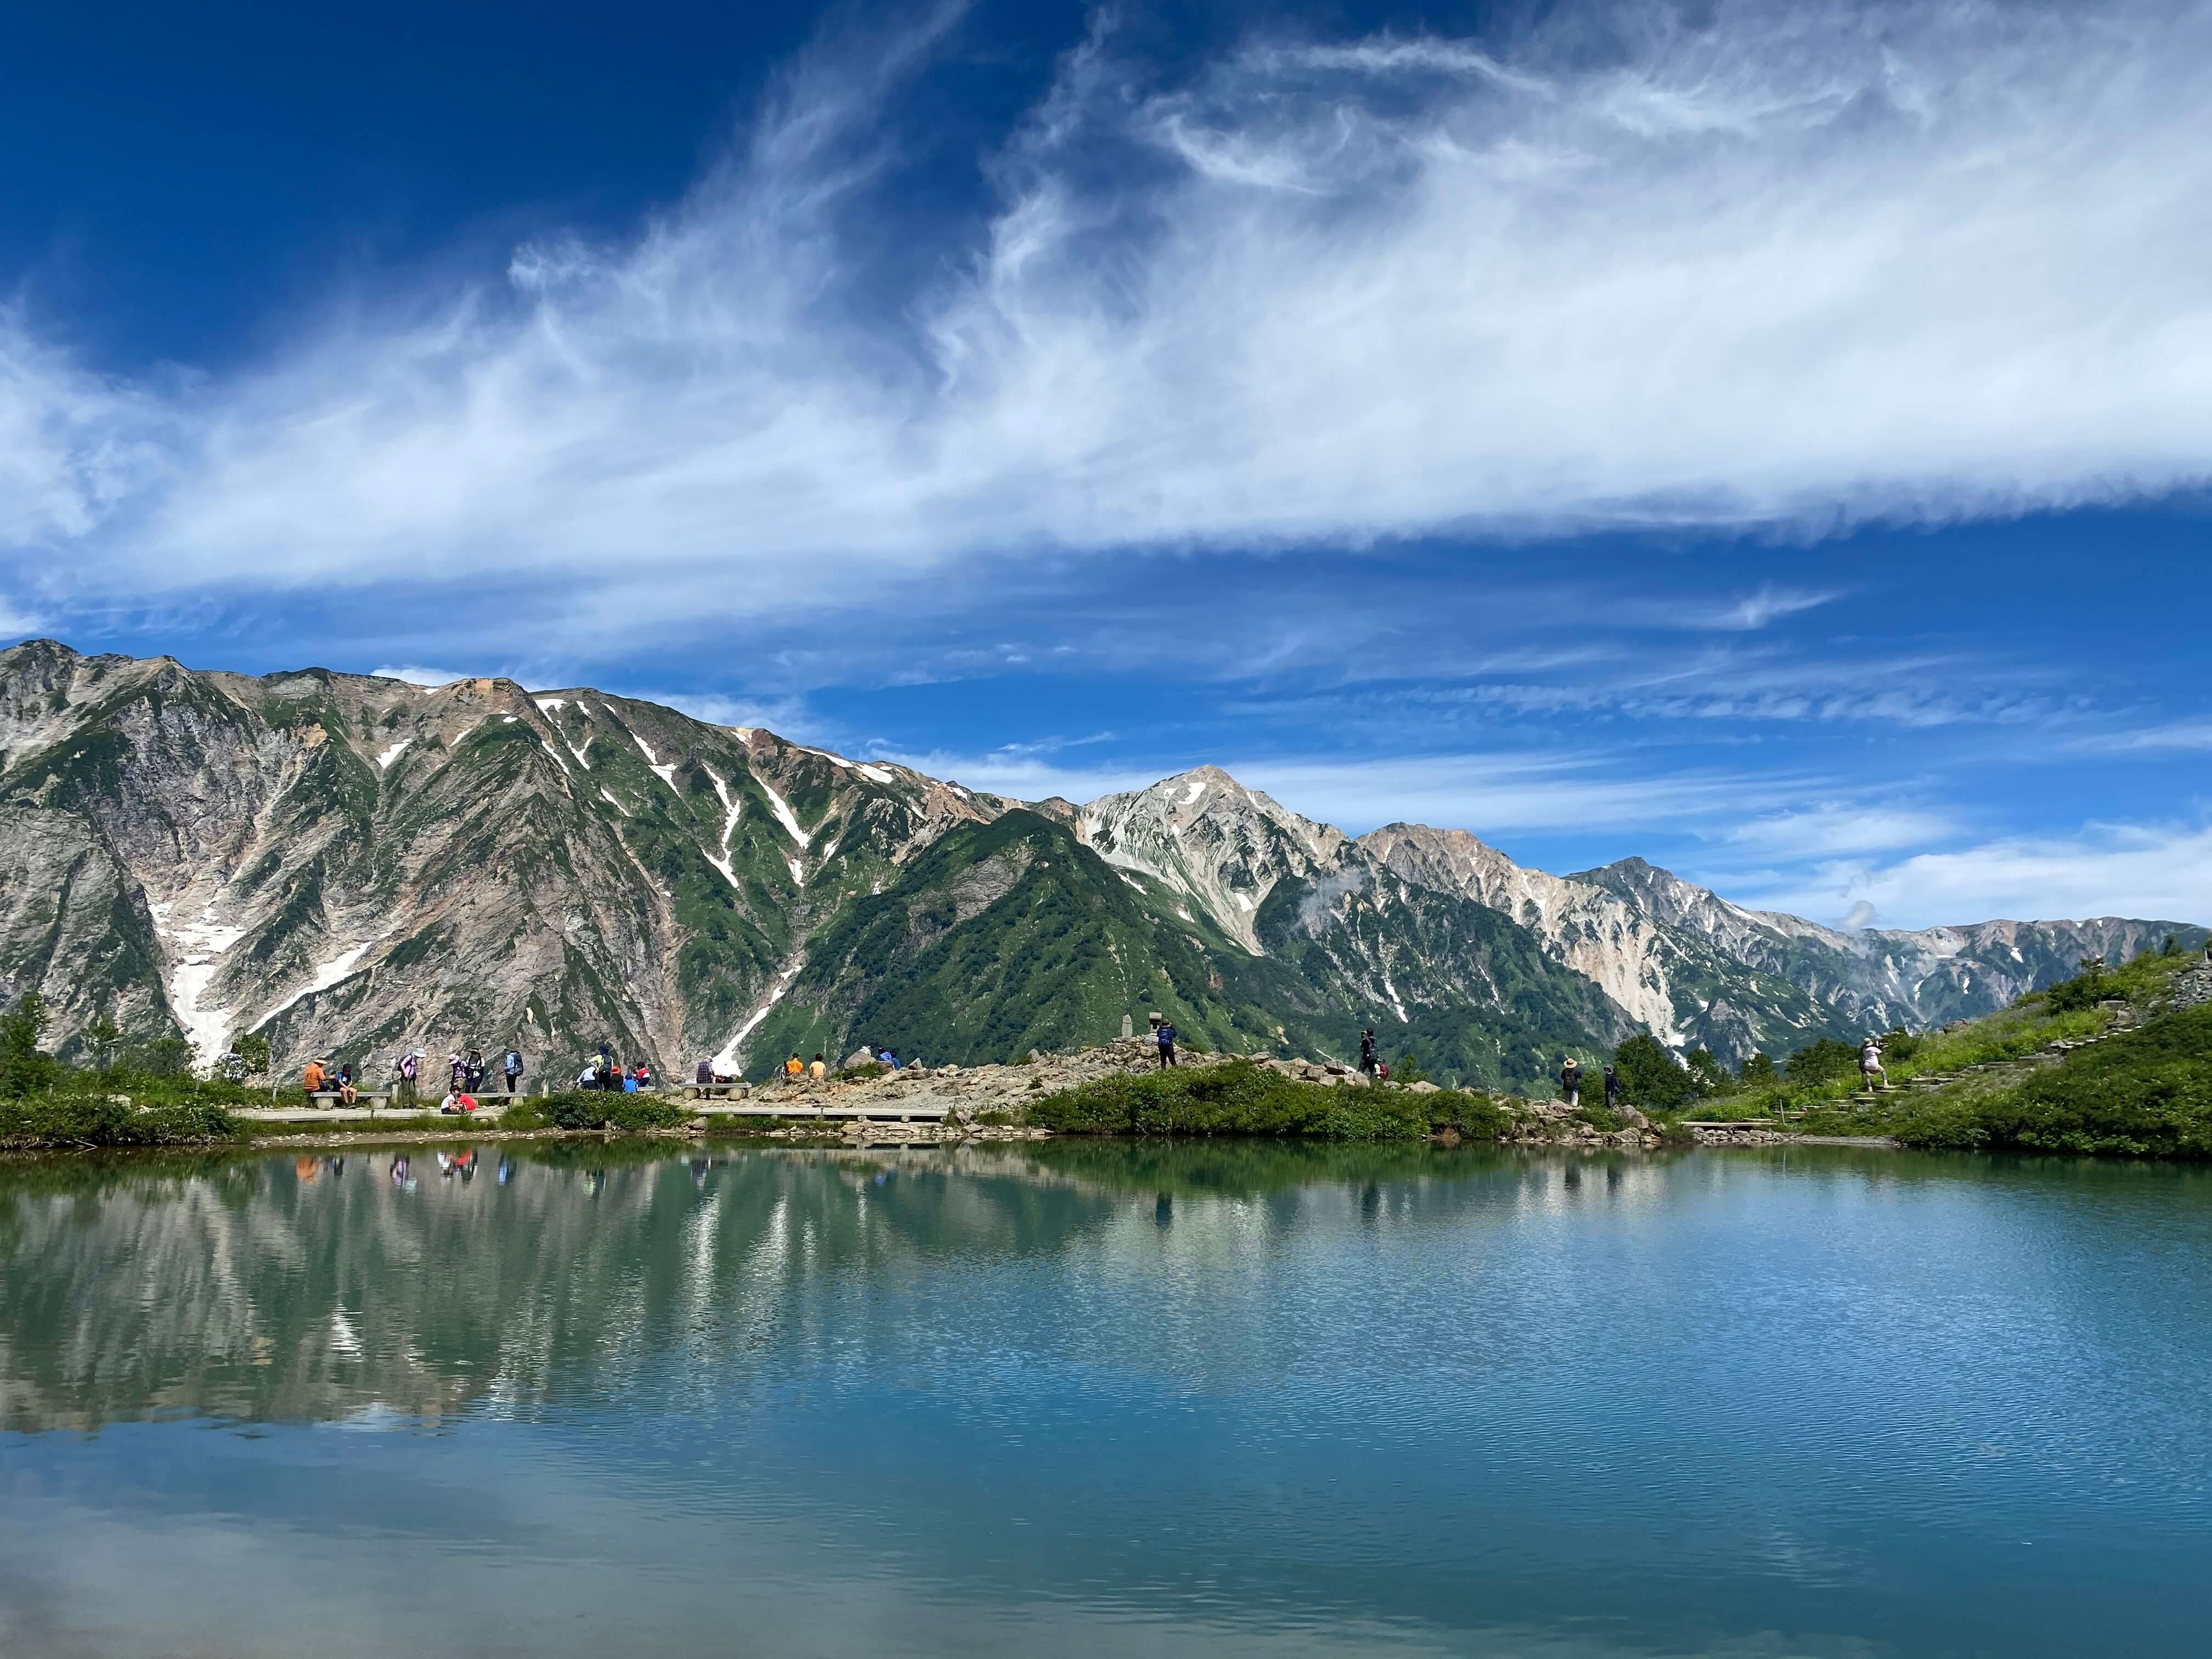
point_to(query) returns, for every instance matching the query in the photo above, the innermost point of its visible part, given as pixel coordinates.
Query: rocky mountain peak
(1212, 840)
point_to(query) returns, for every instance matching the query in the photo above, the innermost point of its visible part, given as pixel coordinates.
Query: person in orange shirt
(313, 1079)
(792, 1068)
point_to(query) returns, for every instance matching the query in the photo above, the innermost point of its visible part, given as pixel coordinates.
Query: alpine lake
(1219, 1398)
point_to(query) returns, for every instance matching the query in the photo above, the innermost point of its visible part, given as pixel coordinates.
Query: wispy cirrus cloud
(2161, 871)
(1775, 262)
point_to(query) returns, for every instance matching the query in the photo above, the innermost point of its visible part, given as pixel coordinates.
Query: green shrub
(93, 1121)
(1237, 1098)
(873, 1068)
(1823, 1061)
(596, 1109)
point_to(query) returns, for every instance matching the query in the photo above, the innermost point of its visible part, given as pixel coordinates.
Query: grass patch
(2147, 1093)
(1242, 1099)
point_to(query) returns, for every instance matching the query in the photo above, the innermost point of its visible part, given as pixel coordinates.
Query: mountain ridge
(352, 862)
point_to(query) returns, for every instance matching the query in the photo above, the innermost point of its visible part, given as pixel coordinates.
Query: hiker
(703, 1075)
(589, 1077)
(1612, 1088)
(312, 1079)
(793, 1066)
(512, 1065)
(457, 1072)
(1571, 1081)
(461, 1101)
(644, 1075)
(1166, 1039)
(472, 1072)
(1368, 1060)
(410, 1067)
(629, 1083)
(1870, 1065)
(606, 1058)
(347, 1095)
(818, 1069)
(888, 1057)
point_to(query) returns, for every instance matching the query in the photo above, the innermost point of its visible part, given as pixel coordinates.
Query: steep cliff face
(338, 860)
(352, 865)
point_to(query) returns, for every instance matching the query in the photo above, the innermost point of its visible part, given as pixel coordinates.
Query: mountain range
(347, 863)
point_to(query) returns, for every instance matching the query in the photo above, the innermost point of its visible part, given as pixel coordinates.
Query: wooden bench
(371, 1098)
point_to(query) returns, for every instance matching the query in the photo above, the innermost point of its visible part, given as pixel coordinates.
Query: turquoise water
(1094, 1400)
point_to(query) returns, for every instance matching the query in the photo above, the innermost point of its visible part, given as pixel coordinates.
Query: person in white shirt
(1870, 1065)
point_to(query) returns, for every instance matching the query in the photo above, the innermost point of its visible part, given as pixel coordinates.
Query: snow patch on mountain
(196, 950)
(386, 758)
(783, 812)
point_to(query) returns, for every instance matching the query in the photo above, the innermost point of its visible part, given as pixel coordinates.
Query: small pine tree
(24, 1070)
(1759, 1070)
(1707, 1074)
(1407, 1070)
(2172, 946)
(248, 1057)
(1651, 1077)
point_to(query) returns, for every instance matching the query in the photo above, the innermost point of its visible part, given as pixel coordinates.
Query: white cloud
(1811, 262)
(1834, 827)
(2174, 735)
(2160, 873)
(421, 676)
(1745, 614)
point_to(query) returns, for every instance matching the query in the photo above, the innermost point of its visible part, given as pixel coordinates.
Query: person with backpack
(1167, 1042)
(472, 1072)
(1612, 1088)
(1368, 1057)
(512, 1067)
(1570, 1082)
(408, 1066)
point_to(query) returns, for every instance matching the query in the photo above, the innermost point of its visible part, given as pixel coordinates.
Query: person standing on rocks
(1368, 1057)
(410, 1067)
(1167, 1041)
(1612, 1088)
(1570, 1082)
(512, 1065)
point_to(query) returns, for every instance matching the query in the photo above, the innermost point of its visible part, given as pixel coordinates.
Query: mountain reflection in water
(1086, 1397)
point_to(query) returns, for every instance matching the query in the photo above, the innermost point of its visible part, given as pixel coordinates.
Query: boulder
(857, 1057)
(1424, 1087)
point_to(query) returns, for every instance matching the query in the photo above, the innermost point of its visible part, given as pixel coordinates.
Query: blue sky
(1769, 439)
